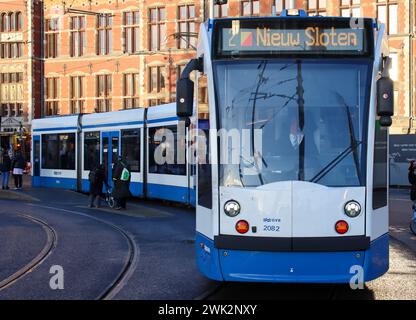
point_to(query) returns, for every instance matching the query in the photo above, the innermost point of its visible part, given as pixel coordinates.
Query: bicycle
(110, 199)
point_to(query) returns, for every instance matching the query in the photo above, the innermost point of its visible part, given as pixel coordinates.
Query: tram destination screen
(264, 37)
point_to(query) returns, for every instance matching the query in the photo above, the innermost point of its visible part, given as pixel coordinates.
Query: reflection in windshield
(311, 116)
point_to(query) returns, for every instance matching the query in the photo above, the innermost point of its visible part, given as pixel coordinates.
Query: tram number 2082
(271, 228)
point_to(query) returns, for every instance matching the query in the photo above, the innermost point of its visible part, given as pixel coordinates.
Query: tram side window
(204, 171)
(204, 165)
(58, 151)
(130, 148)
(167, 148)
(380, 168)
(91, 150)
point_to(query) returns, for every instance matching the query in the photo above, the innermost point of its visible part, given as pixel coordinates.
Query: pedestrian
(97, 180)
(412, 180)
(121, 179)
(18, 165)
(6, 167)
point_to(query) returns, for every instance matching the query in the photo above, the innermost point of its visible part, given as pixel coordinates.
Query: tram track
(114, 287)
(51, 242)
(111, 291)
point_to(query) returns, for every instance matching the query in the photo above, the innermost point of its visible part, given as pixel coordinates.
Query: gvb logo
(57, 280)
(357, 280)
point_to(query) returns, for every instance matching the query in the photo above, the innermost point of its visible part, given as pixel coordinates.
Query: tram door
(110, 152)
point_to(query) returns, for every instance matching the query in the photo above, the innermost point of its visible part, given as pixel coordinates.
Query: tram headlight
(232, 208)
(352, 209)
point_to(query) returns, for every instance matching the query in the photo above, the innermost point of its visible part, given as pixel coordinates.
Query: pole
(170, 75)
(211, 8)
(21, 142)
(301, 111)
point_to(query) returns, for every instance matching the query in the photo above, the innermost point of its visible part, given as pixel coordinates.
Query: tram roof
(302, 16)
(112, 118)
(115, 118)
(163, 111)
(55, 122)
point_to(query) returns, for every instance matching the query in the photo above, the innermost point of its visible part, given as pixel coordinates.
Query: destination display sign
(265, 37)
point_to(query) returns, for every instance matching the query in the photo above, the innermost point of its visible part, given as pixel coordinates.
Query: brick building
(100, 55)
(20, 69)
(115, 54)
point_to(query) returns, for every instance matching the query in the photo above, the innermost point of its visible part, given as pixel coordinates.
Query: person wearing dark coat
(121, 190)
(412, 180)
(97, 180)
(18, 165)
(5, 168)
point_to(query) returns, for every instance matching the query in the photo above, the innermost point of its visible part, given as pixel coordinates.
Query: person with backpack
(97, 179)
(5, 168)
(121, 179)
(18, 165)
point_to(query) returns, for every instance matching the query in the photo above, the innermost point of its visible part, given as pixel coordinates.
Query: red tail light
(341, 227)
(242, 226)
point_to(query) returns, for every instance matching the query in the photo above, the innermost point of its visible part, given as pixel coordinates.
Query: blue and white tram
(104, 137)
(66, 148)
(307, 199)
(53, 170)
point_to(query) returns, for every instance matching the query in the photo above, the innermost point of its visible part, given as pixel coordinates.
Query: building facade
(85, 56)
(115, 54)
(20, 70)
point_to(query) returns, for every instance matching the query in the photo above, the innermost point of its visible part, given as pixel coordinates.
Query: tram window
(312, 141)
(204, 171)
(204, 166)
(58, 151)
(380, 168)
(163, 141)
(130, 148)
(91, 150)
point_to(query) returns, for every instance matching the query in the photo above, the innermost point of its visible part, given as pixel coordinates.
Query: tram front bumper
(292, 267)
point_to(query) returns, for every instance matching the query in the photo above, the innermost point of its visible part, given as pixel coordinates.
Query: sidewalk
(60, 197)
(12, 194)
(400, 216)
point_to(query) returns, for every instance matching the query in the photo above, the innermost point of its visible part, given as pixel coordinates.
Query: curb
(16, 195)
(405, 241)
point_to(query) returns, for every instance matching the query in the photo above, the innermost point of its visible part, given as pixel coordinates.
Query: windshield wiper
(353, 140)
(328, 168)
(353, 147)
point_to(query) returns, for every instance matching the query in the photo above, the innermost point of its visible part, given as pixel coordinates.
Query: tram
(306, 197)
(66, 148)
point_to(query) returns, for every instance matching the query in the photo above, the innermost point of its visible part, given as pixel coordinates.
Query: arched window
(6, 23)
(18, 21)
(12, 21)
(2, 22)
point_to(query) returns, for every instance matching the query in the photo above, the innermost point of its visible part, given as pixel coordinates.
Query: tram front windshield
(301, 120)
